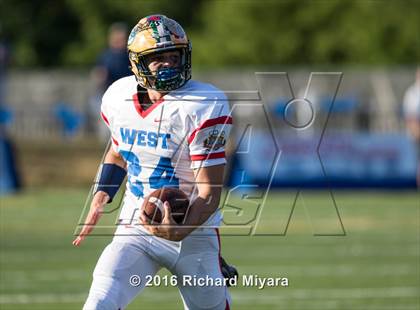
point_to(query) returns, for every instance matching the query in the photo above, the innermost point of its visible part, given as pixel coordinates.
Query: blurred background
(350, 151)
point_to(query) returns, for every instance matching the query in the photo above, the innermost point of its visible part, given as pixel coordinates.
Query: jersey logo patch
(215, 140)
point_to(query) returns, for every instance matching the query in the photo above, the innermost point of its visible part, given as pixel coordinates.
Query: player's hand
(95, 212)
(168, 229)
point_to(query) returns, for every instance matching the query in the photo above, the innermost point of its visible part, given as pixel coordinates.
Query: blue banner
(340, 160)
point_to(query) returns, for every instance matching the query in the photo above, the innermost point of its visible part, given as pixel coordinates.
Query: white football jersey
(162, 145)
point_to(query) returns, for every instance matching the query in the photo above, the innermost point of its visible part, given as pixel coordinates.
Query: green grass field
(374, 266)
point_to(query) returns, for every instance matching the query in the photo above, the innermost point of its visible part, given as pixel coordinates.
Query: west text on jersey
(144, 138)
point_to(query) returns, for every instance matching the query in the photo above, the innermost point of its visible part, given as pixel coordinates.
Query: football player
(166, 130)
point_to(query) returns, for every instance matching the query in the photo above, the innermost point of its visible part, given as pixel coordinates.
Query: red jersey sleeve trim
(208, 156)
(105, 118)
(209, 123)
(114, 141)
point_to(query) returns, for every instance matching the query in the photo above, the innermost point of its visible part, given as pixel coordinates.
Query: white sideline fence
(32, 95)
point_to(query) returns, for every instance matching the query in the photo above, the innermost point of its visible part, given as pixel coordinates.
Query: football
(153, 204)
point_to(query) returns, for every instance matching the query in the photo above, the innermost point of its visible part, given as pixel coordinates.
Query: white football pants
(132, 253)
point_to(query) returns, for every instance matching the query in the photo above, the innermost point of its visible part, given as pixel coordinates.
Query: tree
(308, 32)
(224, 33)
